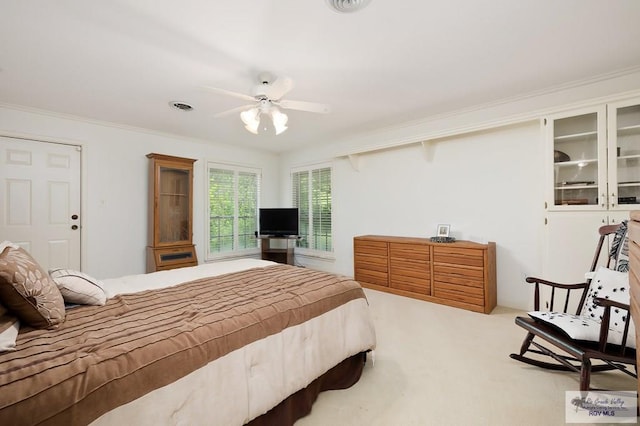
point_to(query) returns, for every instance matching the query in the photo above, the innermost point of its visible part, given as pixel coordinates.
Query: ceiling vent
(181, 106)
(347, 5)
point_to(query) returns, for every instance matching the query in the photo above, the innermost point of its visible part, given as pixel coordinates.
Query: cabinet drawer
(460, 275)
(377, 248)
(410, 268)
(374, 263)
(459, 293)
(459, 256)
(419, 285)
(371, 277)
(409, 252)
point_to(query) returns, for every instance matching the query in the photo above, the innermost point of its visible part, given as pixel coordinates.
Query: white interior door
(40, 200)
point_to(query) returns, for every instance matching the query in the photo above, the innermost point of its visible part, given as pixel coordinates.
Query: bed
(237, 342)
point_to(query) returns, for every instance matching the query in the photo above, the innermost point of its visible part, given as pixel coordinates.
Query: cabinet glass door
(173, 205)
(576, 160)
(624, 156)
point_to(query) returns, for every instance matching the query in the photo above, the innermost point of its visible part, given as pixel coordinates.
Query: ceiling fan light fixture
(279, 121)
(346, 6)
(250, 116)
(251, 120)
(252, 128)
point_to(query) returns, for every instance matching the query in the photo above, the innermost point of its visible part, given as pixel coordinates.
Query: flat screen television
(279, 222)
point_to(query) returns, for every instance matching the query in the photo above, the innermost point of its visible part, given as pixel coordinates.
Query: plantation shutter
(233, 205)
(222, 208)
(311, 194)
(248, 194)
(321, 214)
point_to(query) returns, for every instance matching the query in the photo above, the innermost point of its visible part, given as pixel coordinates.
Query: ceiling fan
(267, 100)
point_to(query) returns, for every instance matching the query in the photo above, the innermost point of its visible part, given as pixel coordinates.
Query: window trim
(236, 253)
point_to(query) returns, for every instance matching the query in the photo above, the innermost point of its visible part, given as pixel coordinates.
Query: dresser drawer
(458, 256)
(376, 248)
(459, 293)
(409, 252)
(364, 275)
(460, 275)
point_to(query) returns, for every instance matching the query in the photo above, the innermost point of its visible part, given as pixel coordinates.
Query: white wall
(115, 183)
(484, 175)
(487, 186)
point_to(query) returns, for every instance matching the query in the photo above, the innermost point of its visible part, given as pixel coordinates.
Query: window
(233, 209)
(311, 194)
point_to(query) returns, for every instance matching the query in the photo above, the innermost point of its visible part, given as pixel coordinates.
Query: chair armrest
(554, 286)
(607, 304)
(535, 280)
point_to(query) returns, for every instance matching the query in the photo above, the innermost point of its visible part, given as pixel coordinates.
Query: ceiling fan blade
(234, 110)
(230, 93)
(305, 106)
(280, 87)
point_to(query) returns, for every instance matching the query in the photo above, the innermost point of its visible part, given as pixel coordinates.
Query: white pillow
(607, 284)
(78, 287)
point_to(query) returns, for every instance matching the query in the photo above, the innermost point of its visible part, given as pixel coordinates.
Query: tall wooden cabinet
(460, 274)
(170, 213)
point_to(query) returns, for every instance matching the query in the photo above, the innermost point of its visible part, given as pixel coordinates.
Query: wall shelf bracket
(429, 149)
(355, 161)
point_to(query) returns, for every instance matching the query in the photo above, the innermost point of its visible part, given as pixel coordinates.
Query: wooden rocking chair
(577, 355)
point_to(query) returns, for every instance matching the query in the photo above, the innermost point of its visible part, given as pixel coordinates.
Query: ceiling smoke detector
(181, 106)
(347, 5)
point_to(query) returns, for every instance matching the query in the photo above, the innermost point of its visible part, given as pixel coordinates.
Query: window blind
(233, 209)
(311, 194)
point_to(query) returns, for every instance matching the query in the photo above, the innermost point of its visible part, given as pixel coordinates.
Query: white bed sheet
(248, 382)
(161, 279)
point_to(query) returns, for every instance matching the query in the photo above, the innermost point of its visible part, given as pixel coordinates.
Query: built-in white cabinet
(623, 134)
(593, 179)
(594, 158)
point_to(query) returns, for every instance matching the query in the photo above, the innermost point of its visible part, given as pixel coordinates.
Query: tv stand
(277, 248)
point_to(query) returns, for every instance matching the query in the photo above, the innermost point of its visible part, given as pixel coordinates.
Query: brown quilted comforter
(105, 356)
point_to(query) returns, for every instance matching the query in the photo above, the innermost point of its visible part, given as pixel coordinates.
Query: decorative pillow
(607, 284)
(9, 327)
(78, 287)
(620, 248)
(27, 290)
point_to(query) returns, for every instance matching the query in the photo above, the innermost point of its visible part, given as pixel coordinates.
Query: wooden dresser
(460, 274)
(634, 275)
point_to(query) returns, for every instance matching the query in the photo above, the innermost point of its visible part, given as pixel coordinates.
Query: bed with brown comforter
(195, 348)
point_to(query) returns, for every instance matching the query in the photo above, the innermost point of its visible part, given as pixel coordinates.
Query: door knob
(74, 227)
(74, 217)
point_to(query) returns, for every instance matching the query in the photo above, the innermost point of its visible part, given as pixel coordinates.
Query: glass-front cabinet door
(624, 155)
(578, 154)
(174, 203)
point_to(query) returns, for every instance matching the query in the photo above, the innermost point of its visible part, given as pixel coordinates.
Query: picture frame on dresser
(443, 230)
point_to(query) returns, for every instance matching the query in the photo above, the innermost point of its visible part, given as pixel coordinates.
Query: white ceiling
(123, 61)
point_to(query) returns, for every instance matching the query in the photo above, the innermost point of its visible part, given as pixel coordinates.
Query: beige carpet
(436, 365)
